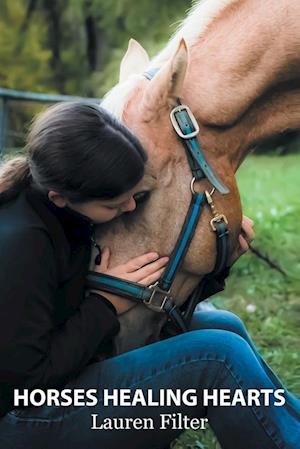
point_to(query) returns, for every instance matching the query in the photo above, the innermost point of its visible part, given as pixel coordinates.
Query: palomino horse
(238, 70)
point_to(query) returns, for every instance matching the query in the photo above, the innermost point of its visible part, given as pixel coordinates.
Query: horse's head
(145, 109)
(242, 89)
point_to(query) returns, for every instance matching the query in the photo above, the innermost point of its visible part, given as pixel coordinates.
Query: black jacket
(49, 328)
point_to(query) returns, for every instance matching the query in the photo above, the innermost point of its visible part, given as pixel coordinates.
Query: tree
(75, 46)
(23, 54)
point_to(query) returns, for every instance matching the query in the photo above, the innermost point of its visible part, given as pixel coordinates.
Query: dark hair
(79, 150)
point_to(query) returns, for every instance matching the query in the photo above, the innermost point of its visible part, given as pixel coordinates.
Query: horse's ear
(135, 60)
(166, 86)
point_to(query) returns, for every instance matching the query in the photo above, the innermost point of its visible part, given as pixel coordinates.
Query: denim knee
(233, 322)
(219, 319)
(216, 344)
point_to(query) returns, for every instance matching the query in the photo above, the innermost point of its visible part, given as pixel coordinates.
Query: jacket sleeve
(33, 352)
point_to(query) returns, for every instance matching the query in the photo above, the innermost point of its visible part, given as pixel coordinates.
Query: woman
(82, 167)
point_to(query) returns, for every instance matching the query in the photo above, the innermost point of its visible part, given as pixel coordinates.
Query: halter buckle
(157, 299)
(189, 118)
(217, 219)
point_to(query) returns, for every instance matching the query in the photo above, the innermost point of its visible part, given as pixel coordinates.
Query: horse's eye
(141, 197)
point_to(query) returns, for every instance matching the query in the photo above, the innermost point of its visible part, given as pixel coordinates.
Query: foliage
(66, 45)
(151, 23)
(23, 54)
(74, 46)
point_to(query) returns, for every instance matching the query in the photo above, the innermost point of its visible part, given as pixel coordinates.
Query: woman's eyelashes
(111, 208)
(141, 197)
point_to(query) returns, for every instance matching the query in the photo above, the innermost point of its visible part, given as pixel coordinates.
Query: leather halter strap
(157, 297)
(187, 129)
(184, 239)
(153, 297)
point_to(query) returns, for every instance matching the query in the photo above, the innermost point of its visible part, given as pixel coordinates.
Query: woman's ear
(58, 199)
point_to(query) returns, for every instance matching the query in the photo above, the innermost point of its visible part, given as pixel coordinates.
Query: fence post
(3, 119)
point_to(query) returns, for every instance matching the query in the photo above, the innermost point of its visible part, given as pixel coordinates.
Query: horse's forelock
(115, 100)
(194, 25)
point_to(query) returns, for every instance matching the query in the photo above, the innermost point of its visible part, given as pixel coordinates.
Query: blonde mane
(201, 14)
(115, 99)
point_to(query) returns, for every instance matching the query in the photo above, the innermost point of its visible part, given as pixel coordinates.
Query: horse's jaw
(138, 327)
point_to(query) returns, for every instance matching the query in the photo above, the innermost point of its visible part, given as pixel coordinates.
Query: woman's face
(100, 211)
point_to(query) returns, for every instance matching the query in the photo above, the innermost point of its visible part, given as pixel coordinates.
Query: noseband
(158, 296)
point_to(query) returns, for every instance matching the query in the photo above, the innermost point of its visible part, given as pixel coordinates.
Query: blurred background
(74, 48)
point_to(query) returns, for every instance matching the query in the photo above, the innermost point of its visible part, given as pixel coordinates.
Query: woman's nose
(129, 206)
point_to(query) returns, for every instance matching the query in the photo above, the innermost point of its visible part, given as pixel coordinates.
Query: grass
(268, 302)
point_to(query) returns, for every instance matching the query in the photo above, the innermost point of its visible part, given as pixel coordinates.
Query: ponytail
(14, 177)
(78, 150)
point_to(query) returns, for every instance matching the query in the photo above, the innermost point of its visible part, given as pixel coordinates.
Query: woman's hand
(245, 238)
(145, 269)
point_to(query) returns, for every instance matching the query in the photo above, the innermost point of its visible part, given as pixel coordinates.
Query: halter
(158, 296)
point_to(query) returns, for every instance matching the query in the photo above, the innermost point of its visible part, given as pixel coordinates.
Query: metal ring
(212, 191)
(153, 285)
(193, 190)
(192, 185)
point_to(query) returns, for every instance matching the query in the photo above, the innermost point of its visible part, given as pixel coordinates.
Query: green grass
(270, 192)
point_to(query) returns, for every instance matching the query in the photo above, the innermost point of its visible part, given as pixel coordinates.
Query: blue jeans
(216, 354)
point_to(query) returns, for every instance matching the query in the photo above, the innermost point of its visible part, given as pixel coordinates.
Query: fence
(286, 143)
(7, 95)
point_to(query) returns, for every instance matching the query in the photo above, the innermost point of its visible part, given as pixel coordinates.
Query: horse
(236, 64)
